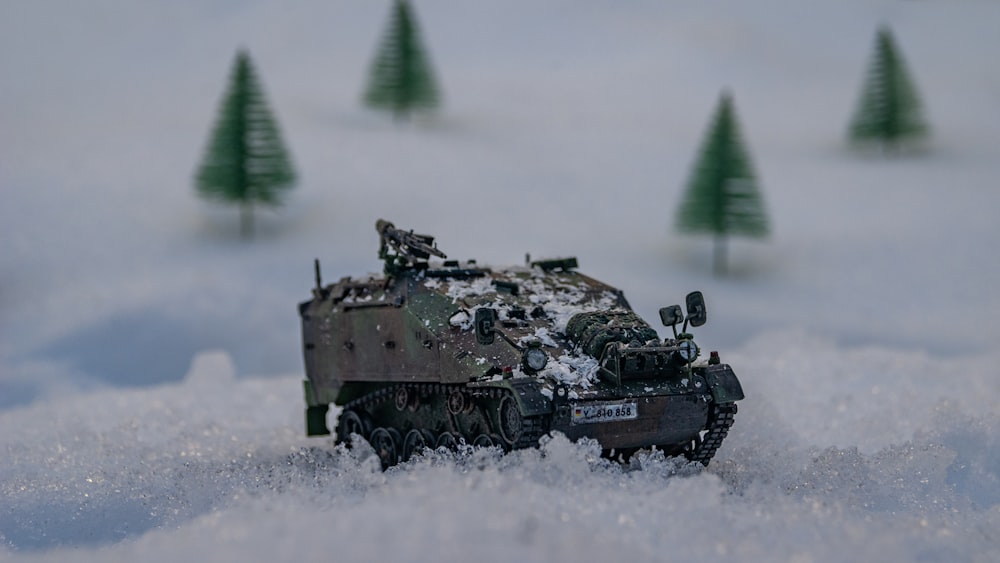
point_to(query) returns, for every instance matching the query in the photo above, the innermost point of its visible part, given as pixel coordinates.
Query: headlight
(535, 359)
(687, 350)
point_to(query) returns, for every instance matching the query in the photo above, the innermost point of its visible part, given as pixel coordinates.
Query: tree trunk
(246, 220)
(400, 115)
(719, 256)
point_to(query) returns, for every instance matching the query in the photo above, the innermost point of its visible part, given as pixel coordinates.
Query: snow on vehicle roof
(553, 299)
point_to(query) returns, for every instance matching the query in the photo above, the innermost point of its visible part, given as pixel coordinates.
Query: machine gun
(408, 246)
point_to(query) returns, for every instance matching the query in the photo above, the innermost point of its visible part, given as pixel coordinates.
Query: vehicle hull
(661, 421)
(435, 355)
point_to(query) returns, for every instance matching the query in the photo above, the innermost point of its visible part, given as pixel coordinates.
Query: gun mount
(410, 248)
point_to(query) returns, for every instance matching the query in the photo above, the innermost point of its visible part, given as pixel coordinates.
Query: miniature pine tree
(889, 109)
(245, 162)
(401, 79)
(722, 196)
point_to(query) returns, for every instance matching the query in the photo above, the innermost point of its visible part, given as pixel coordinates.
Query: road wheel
(386, 444)
(447, 440)
(483, 441)
(353, 422)
(415, 442)
(511, 421)
(456, 402)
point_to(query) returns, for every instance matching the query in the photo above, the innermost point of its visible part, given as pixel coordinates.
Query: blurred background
(565, 128)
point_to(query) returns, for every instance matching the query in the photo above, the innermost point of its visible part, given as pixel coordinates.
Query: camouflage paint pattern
(408, 336)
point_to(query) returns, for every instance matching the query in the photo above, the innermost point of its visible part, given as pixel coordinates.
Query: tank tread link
(704, 447)
(433, 355)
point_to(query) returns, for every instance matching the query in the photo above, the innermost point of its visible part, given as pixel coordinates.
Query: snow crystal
(573, 370)
(461, 320)
(460, 289)
(541, 334)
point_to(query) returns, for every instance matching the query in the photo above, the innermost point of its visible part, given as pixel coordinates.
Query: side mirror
(671, 315)
(485, 325)
(695, 308)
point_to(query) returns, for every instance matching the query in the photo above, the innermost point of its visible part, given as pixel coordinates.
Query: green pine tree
(401, 79)
(245, 162)
(722, 196)
(889, 110)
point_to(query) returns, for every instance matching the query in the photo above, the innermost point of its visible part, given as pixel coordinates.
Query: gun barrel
(407, 243)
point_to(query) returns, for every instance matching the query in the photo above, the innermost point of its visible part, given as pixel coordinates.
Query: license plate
(605, 412)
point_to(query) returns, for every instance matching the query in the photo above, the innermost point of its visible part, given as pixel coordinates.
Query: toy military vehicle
(434, 354)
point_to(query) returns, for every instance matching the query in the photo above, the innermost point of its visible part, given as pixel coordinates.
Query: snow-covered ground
(149, 359)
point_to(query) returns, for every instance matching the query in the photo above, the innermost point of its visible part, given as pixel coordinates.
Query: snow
(163, 472)
(560, 301)
(573, 370)
(150, 395)
(462, 289)
(461, 319)
(541, 334)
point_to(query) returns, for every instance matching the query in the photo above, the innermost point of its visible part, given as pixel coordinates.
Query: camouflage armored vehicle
(433, 354)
